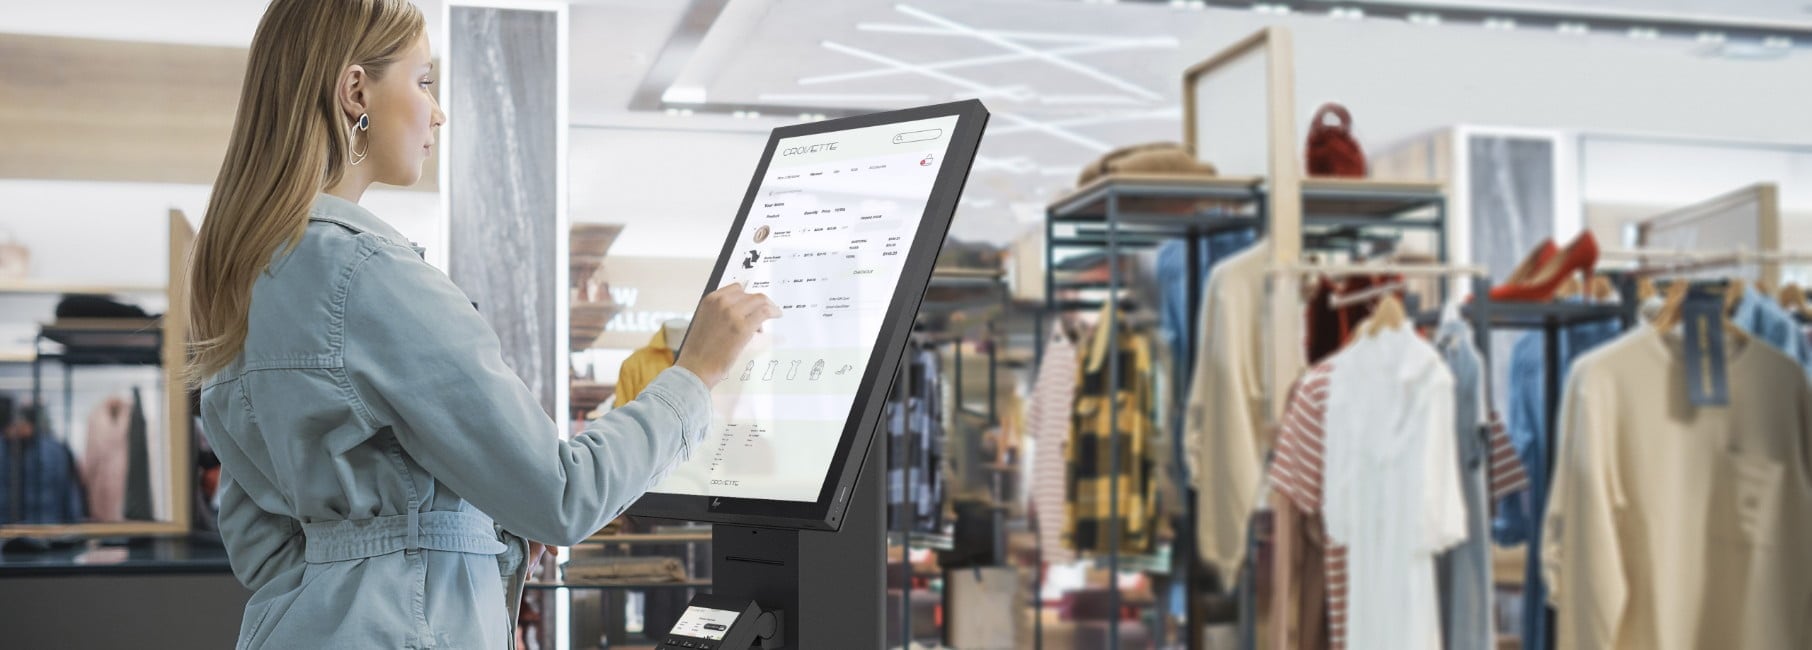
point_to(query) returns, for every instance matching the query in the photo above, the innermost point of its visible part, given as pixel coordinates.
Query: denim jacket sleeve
(421, 361)
(260, 545)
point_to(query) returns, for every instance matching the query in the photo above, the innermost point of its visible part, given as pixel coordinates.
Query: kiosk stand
(832, 579)
(841, 227)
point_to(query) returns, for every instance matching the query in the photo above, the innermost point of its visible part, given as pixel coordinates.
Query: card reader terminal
(718, 623)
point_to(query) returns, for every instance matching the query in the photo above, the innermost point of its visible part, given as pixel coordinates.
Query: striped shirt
(1297, 472)
(1048, 423)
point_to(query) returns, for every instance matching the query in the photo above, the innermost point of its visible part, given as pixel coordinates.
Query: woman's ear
(351, 92)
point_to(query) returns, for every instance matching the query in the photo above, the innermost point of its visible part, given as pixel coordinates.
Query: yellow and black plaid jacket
(1089, 457)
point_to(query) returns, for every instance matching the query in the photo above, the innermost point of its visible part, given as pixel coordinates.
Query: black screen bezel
(883, 366)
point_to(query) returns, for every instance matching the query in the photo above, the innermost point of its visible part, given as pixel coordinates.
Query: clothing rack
(1381, 269)
(908, 537)
(1551, 318)
(1110, 215)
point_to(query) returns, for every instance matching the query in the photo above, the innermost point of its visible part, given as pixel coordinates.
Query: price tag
(1702, 319)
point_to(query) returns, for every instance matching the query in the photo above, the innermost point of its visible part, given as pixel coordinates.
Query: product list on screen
(826, 238)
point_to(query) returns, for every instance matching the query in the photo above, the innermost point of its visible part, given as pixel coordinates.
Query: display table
(160, 593)
(162, 556)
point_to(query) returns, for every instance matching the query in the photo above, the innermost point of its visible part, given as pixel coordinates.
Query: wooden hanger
(1764, 286)
(1733, 294)
(1602, 289)
(1672, 300)
(1569, 288)
(1389, 314)
(1645, 288)
(1669, 316)
(1793, 298)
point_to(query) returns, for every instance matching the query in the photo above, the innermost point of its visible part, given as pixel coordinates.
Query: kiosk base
(828, 584)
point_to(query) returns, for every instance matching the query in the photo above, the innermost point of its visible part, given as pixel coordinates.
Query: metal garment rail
(1114, 234)
(1550, 318)
(906, 520)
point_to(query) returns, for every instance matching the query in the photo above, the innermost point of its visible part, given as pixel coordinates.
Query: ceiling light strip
(1058, 61)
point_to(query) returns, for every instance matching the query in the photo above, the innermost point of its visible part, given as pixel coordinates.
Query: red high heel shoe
(1580, 255)
(1534, 262)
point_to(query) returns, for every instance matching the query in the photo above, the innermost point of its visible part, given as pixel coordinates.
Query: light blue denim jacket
(381, 465)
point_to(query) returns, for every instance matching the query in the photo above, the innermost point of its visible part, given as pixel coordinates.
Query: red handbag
(1332, 151)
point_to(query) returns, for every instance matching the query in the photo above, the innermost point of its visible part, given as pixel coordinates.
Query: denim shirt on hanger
(52, 491)
(1762, 317)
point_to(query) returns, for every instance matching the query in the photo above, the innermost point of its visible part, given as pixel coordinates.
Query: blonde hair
(289, 142)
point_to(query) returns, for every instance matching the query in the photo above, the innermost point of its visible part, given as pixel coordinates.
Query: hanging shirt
(1391, 491)
(1113, 413)
(1296, 473)
(45, 470)
(104, 459)
(1174, 299)
(1489, 470)
(1228, 407)
(1173, 318)
(642, 367)
(1048, 423)
(1518, 519)
(1763, 317)
(1674, 526)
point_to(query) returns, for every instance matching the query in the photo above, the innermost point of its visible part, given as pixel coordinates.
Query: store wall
(1402, 79)
(677, 190)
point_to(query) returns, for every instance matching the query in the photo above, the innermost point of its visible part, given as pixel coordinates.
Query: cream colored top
(1225, 429)
(1672, 526)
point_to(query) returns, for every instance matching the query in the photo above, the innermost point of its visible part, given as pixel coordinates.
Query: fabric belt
(441, 530)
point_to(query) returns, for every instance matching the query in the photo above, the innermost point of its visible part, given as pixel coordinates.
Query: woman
(381, 467)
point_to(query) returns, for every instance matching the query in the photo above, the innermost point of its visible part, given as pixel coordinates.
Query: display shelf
(618, 586)
(48, 287)
(1367, 197)
(925, 541)
(649, 538)
(587, 245)
(588, 321)
(587, 395)
(1157, 563)
(17, 356)
(961, 276)
(142, 556)
(1535, 315)
(1157, 194)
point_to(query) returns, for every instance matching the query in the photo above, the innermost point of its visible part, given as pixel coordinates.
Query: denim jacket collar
(333, 209)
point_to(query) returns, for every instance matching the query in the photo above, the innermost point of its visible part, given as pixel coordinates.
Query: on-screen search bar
(917, 136)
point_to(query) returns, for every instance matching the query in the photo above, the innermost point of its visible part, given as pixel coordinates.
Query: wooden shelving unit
(171, 336)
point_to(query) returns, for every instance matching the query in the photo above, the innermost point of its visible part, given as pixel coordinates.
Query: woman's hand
(726, 321)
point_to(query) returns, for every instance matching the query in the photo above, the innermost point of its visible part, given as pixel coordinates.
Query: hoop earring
(364, 124)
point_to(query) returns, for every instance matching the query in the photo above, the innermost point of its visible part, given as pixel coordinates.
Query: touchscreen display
(826, 238)
(704, 623)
